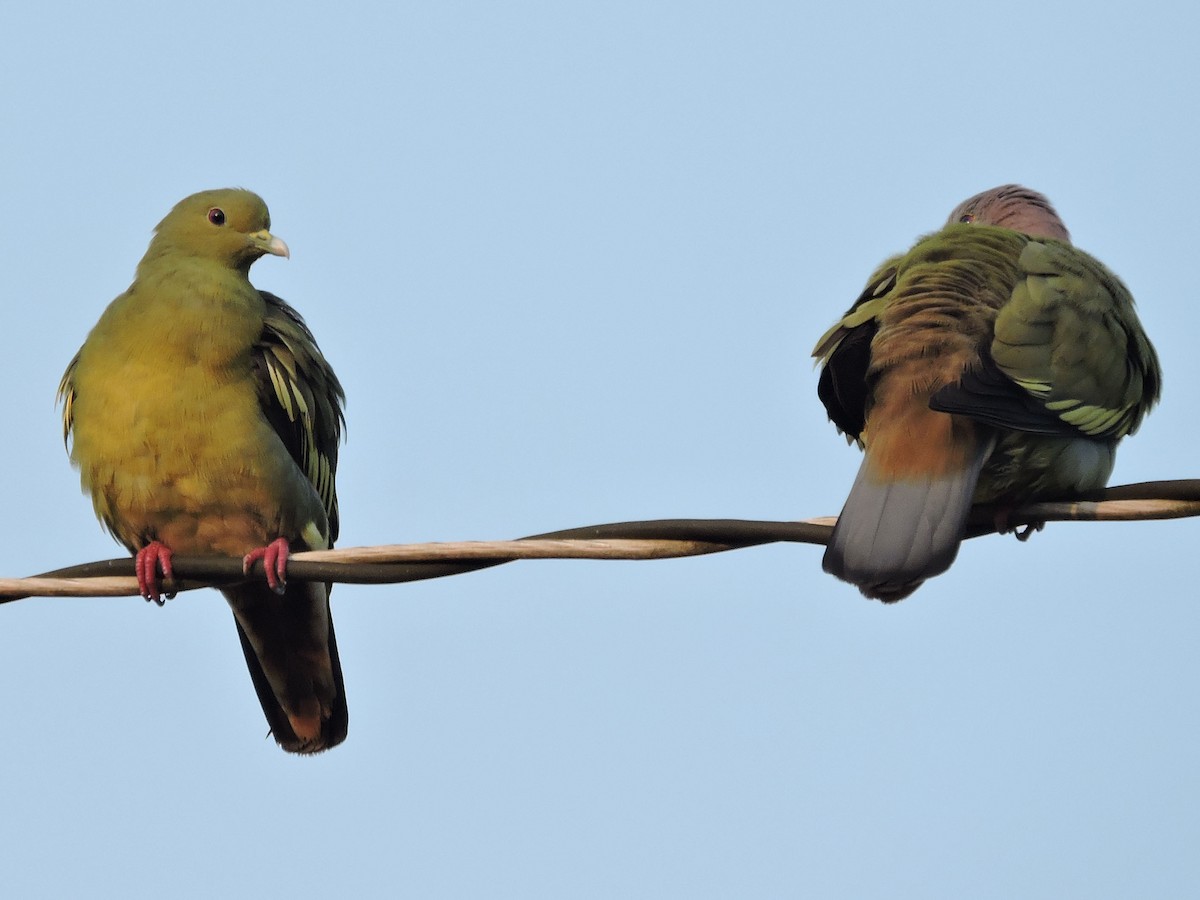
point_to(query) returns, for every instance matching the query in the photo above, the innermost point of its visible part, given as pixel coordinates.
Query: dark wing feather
(987, 395)
(844, 352)
(301, 398)
(843, 383)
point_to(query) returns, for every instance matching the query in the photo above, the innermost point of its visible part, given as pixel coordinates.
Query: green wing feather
(302, 398)
(1064, 355)
(1069, 337)
(863, 311)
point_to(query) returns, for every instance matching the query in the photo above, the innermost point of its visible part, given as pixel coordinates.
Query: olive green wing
(1068, 355)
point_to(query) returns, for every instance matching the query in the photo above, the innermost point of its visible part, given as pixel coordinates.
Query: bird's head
(229, 226)
(1014, 207)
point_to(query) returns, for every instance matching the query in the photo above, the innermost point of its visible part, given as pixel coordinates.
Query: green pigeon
(203, 419)
(991, 363)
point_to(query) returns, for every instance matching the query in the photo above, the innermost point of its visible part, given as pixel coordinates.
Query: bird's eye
(967, 218)
(216, 215)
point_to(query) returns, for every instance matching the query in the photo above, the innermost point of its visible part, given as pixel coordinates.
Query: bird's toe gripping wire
(274, 558)
(152, 558)
(1021, 532)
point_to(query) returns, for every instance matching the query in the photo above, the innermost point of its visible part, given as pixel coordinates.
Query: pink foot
(149, 560)
(274, 557)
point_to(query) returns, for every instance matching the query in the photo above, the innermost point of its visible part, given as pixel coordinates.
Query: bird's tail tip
(874, 583)
(310, 734)
(893, 534)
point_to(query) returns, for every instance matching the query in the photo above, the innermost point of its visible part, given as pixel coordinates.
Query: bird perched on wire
(204, 420)
(991, 363)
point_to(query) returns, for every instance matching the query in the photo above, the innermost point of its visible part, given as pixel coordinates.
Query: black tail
(291, 652)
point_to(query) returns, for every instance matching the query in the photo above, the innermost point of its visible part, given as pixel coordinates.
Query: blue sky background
(569, 261)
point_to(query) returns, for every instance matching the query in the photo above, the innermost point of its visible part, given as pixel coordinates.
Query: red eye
(216, 215)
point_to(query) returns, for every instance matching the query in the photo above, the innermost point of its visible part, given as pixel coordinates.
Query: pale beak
(271, 244)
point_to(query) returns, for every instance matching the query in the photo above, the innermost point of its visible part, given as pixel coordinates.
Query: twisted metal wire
(653, 539)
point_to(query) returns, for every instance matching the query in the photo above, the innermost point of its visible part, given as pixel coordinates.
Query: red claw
(274, 557)
(149, 560)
